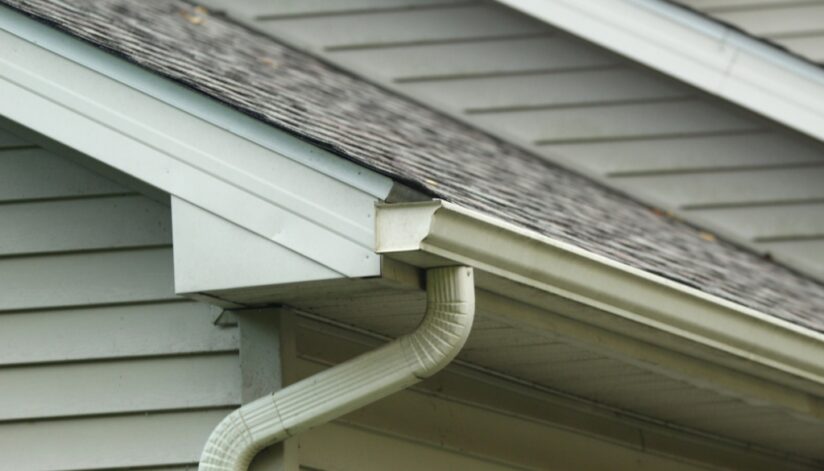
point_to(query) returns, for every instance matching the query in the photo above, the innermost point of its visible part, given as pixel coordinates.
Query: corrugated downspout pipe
(450, 309)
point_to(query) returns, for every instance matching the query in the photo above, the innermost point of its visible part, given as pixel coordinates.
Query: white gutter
(450, 309)
(543, 283)
(698, 50)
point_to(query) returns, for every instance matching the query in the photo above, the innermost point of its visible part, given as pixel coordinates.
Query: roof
(416, 145)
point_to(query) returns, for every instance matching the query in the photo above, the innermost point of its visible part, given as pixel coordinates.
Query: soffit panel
(558, 363)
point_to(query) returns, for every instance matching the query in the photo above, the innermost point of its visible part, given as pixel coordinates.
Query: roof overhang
(546, 284)
(218, 166)
(243, 179)
(707, 54)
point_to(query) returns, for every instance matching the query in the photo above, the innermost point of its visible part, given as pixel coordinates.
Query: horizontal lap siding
(588, 109)
(122, 441)
(509, 93)
(79, 279)
(117, 387)
(35, 174)
(325, 7)
(457, 23)
(742, 186)
(442, 62)
(121, 331)
(692, 153)
(101, 365)
(85, 224)
(617, 121)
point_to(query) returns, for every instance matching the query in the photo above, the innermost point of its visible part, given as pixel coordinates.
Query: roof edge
(186, 144)
(111, 65)
(745, 340)
(702, 52)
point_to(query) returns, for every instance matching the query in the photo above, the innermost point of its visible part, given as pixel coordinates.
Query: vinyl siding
(101, 365)
(578, 105)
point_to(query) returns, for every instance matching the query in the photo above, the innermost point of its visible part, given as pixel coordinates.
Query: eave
(223, 167)
(709, 55)
(668, 327)
(533, 298)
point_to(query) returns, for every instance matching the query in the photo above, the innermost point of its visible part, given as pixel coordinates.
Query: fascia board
(704, 53)
(189, 145)
(684, 319)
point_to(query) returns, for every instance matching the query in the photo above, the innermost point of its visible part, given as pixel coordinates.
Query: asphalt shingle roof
(411, 143)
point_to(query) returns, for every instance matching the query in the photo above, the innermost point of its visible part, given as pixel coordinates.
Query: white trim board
(704, 53)
(190, 146)
(211, 254)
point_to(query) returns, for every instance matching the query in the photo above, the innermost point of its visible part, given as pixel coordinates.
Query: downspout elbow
(450, 309)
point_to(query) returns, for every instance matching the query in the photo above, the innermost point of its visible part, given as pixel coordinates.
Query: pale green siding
(101, 365)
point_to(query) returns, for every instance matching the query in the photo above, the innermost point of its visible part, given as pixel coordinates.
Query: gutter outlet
(450, 309)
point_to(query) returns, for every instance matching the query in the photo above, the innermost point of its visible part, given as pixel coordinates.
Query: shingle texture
(409, 142)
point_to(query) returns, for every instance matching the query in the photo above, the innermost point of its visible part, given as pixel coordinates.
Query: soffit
(592, 427)
(562, 364)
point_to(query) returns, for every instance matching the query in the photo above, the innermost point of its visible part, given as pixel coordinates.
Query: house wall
(101, 364)
(577, 104)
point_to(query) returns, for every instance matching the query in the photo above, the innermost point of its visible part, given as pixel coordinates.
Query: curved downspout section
(450, 309)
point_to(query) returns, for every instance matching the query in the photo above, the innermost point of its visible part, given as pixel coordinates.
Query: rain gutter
(670, 326)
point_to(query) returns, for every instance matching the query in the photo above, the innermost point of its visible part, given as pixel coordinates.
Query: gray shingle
(411, 143)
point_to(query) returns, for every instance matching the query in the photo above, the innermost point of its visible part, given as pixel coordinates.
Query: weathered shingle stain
(411, 143)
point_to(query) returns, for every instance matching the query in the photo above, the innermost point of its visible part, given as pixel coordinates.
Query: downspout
(450, 309)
